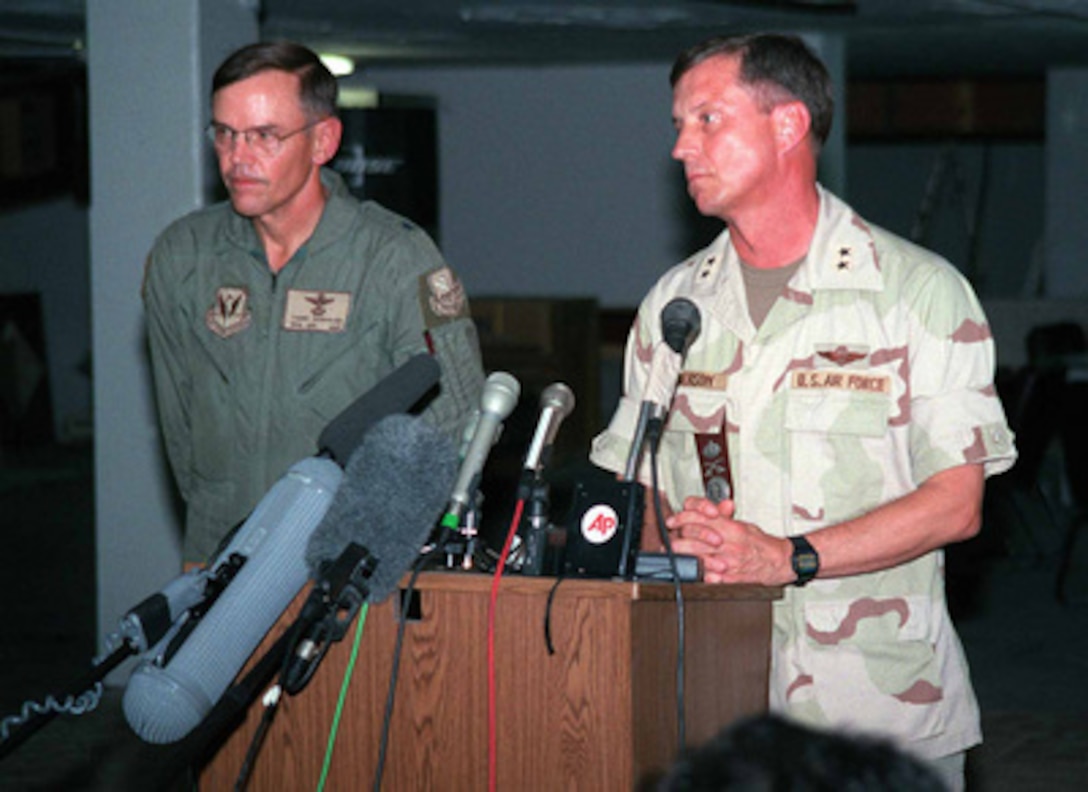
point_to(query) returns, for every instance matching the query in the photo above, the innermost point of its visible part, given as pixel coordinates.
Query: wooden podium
(598, 714)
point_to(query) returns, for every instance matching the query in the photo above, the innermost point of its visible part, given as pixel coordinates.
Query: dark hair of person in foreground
(767, 753)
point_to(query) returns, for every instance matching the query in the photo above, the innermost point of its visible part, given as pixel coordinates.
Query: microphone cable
(342, 698)
(659, 514)
(274, 695)
(394, 673)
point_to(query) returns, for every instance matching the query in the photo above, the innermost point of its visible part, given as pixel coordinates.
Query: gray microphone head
(391, 497)
(559, 397)
(500, 395)
(556, 403)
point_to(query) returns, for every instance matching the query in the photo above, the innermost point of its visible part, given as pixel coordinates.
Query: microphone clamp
(341, 589)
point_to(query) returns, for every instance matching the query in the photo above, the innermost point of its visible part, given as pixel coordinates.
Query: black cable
(659, 514)
(548, 614)
(390, 700)
(257, 741)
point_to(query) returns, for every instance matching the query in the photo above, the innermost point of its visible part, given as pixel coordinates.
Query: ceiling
(884, 38)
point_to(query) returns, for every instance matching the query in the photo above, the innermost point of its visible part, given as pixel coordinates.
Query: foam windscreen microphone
(388, 503)
(394, 488)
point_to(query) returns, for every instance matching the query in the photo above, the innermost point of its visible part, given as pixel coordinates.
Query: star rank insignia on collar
(845, 254)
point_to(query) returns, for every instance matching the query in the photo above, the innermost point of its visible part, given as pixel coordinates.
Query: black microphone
(392, 495)
(680, 324)
(500, 396)
(179, 681)
(604, 527)
(396, 393)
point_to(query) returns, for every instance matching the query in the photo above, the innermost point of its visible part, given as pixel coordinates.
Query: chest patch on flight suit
(441, 297)
(316, 311)
(230, 312)
(841, 380)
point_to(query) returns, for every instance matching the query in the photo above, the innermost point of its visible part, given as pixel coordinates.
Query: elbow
(965, 519)
(968, 525)
(960, 495)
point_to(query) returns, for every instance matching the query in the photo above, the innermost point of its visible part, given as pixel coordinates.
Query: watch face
(805, 560)
(805, 563)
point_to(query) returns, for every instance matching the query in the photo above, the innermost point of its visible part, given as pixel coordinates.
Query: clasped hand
(731, 551)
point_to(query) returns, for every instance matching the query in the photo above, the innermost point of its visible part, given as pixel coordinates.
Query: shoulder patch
(441, 297)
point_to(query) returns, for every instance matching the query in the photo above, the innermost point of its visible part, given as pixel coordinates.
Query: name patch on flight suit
(230, 312)
(841, 380)
(441, 297)
(316, 311)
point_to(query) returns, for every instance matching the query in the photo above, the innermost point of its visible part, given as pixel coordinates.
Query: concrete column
(148, 71)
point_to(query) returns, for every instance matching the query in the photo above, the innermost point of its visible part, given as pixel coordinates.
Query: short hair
(777, 67)
(766, 752)
(317, 86)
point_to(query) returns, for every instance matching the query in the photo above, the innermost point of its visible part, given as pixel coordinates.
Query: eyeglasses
(265, 141)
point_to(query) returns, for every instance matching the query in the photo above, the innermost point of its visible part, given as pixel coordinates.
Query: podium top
(637, 590)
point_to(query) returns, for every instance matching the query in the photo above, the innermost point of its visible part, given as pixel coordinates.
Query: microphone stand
(534, 491)
(470, 530)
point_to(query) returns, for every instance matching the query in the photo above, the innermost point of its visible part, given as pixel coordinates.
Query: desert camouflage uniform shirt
(871, 373)
(250, 366)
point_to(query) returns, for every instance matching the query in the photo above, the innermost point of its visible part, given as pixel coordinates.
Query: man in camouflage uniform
(269, 314)
(849, 375)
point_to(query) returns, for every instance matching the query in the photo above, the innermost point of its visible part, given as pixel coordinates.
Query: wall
(985, 203)
(554, 181)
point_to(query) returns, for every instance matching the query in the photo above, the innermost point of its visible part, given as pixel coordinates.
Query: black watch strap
(805, 560)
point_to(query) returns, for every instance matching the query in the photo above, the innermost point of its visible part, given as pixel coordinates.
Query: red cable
(492, 772)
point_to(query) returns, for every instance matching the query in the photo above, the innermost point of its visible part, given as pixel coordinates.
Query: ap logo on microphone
(600, 523)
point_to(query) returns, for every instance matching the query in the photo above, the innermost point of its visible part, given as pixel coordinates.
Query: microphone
(393, 492)
(396, 393)
(556, 403)
(171, 691)
(500, 396)
(680, 324)
(184, 674)
(148, 622)
(169, 611)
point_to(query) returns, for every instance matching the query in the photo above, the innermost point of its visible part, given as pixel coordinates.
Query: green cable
(343, 695)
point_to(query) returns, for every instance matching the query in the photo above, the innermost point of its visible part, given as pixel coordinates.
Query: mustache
(242, 173)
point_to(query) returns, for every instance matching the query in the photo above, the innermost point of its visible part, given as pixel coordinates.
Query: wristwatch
(805, 560)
